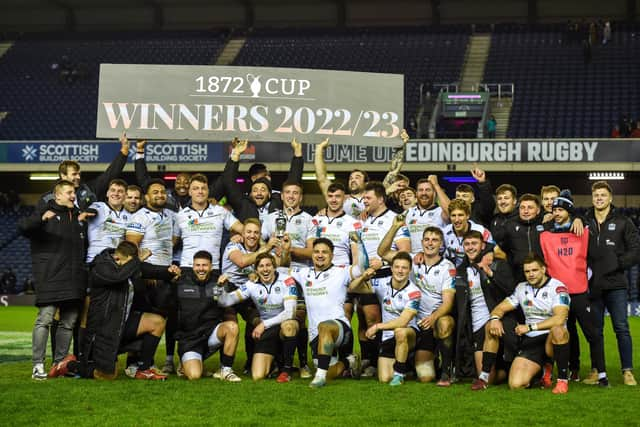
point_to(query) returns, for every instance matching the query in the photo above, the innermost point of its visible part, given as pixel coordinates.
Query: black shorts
(269, 342)
(367, 299)
(425, 340)
(533, 348)
(478, 339)
(388, 347)
(130, 330)
(346, 336)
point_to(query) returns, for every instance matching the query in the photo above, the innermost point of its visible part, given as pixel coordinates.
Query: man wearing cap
(566, 256)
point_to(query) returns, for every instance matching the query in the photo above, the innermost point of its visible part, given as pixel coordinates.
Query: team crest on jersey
(339, 224)
(540, 227)
(298, 221)
(325, 275)
(277, 289)
(545, 295)
(611, 227)
(380, 222)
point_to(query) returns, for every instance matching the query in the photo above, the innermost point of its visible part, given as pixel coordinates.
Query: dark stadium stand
(44, 105)
(557, 94)
(14, 249)
(421, 54)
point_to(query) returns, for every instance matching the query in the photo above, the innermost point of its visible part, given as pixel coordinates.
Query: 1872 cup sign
(261, 104)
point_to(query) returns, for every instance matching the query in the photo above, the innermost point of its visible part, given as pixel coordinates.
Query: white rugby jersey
(202, 231)
(269, 299)
(337, 230)
(375, 228)
(299, 227)
(236, 274)
(393, 302)
(433, 281)
(479, 309)
(418, 219)
(158, 229)
(324, 293)
(454, 250)
(538, 304)
(106, 229)
(353, 206)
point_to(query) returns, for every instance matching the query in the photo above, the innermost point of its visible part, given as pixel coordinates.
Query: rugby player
(435, 277)
(459, 215)
(202, 329)
(426, 213)
(374, 228)
(400, 300)
(324, 286)
(545, 303)
(275, 295)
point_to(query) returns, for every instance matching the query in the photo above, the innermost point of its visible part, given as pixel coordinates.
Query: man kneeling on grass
(400, 301)
(111, 323)
(545, 303)
(202, 329)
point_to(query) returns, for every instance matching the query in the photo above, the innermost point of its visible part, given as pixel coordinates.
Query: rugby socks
(249, 345)
(399, 368)
(302, 345)
(149, 346)
(561, 354)
(288, 349)
(369, 351)
(488, 361)
(226, 361)
(323, 362)
(446, 354)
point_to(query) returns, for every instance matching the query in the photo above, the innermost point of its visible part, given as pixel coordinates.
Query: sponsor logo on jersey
(289, 281)
(414, 294)
(611, 227)
(452, 272)
(561, 289)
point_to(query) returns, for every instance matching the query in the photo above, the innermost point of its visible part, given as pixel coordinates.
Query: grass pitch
(67, 401)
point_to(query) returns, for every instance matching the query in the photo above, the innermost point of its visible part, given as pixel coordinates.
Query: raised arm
(396, 161)
(140, 165)
(384, 249)
(321, 167)
(230, 173)
(100, 185)
(297, 163)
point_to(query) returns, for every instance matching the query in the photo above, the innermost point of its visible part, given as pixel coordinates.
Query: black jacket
(484, 204)
(517, 239)
(198, 312)
(500, 220)
(94, 190)
(494, 289)
(243, 206)
(108, 309)
(614, 246)
(58, 251)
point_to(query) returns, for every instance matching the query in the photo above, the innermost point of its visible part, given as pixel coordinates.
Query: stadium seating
(557, 94)
(422, 54)
(15, 251)
(42, 105)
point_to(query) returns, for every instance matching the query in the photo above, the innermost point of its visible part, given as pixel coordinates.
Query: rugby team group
(488, 285)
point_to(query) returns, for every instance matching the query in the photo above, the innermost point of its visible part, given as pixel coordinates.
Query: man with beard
(506, 197)
(133, 199)
(548, 194)
(324, 287)
(378, 222)
(153, 227)
(545, 303)
(459, 215)
(202, 329)
(400, 300)
(238, 260)
(566, 258)
(435, 277)
(338, 227)
(426, 213)
(481, 283)
(275, 295)
(259, 202)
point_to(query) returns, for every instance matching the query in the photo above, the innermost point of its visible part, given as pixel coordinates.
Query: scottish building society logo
(29, 153)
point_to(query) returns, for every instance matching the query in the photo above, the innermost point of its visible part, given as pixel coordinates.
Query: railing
(438, 88)
(499, 90)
